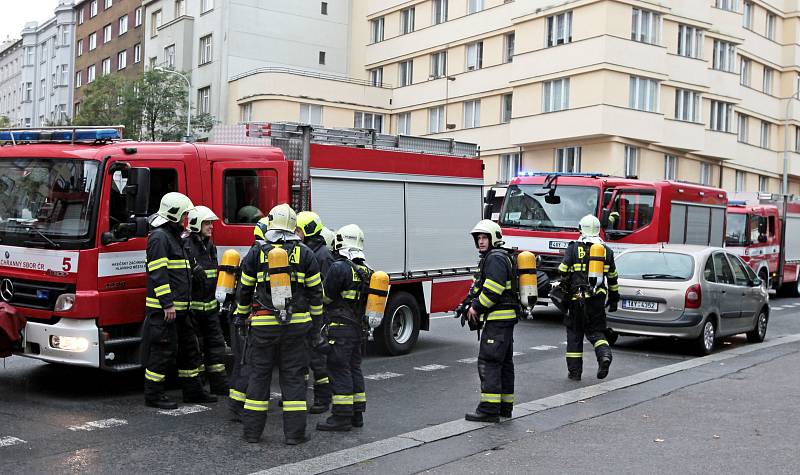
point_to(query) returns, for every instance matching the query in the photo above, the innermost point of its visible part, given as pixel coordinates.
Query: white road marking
(382, 376)
(94, 425)
(518, 353)
(544, 347)
(184, 410)
(440, 317)
(430, 367)
(776, 308)
(9, 441)
(468, 360)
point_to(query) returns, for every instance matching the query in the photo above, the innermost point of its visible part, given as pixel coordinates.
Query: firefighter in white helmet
(329, 236)
(204, 308)
(168, 337)
(587, 296)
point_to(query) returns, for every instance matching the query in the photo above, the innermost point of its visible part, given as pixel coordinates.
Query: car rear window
(651, 265)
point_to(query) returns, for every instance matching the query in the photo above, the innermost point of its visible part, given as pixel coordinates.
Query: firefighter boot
(319, 407)
(162, 402)
(201, 397)
(602, 366)
(218, 383)
(296, 440)
(336, 424)
(358, 419)
(478, 416)
(574, 375)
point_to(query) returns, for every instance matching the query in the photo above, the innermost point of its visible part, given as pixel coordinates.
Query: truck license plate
(640, 305)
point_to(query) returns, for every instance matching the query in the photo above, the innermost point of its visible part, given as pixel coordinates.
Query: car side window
(739, 271)
(708, 271)
(722, 270)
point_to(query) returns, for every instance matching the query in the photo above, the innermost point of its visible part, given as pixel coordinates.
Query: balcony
(725, 84)
(759, 158)
(472, 82)
(688, 70)
(722, 145)
(689, 136)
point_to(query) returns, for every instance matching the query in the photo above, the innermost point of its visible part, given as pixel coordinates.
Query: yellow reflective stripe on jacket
(203, 306)
(211, 273)
(343, 399)
(180, 305)
(360, 397)
(574, 354)
(490, 397)
(270, 320)
(600, 343)
(484, 300)
(189, 373)
(162, 289)
(507, 398)
(350, 294)
(502, 315)
(314, 280)
(563, 267)
(157, 264)
(316, 310)
(248, 280)
(152, 303)
(299, 277)
(294, 406)
(493, 286)
(216, 368)
(614, 288)
(242, 309)
(177, 264)
(153, 376)
(236, 395)
(256, 405)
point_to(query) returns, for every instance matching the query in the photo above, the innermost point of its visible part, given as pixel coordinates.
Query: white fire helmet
(198, 216)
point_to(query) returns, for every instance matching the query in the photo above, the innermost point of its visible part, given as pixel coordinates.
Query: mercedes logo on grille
(7, 290)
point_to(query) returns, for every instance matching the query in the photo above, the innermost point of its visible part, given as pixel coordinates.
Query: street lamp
(446, 99)
(188, 98)
(785, 184)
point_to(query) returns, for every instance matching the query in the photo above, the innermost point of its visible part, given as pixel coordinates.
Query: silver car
(690, 292)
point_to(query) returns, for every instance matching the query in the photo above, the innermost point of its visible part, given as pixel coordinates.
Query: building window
(472, 114)
(108, 4)
(568, 160)
(763, 183)
(705, 173)
(768, 75)
(744, 72)
(376, 77)
(123, 25)
(724, 54)
(246, 112)
(670, 167)
(739, 181)
(771, 19)
(78, 79)
(180, 8)
(311, 114)
(321, 58)
(797, 139)
(555, 96)
(631, 161)
(65, 35)
(509, 167)
(765, 134)
(106, 66)
(404, 123)
(439, 11)
(368, 120)
(475, 56)
(29, 91)
(206, 5)
(93, 9)
(505, 115)
(559, 29)
(747, 15)
(155, 22)
(169, 56)
(690, 41)
(92, 41)
(407, 21)
(474, 6)
(137, 52)
(406, 73)
(509, 48)
(643, 94)
(206, 51)
(204, 100)
(646, 26)
(80, 16)
(436, 120)
(90, 74)
(122, 60)
(439, 64)
(323, 8)
(64, 72)
(687, 105)
(743, 132)
(729, 5)
(107, 34)
(79, 48)
(376, 27)
(721, 113)
(137, 15)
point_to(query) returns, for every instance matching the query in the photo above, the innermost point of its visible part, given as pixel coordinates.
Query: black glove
(198, 273)
(612, 307)
(613, 302)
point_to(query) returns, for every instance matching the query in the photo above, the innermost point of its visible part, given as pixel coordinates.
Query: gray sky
(18, 12)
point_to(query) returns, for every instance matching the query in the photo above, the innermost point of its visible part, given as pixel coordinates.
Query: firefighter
(240, 374)
(494, 304)
(168, 336)
(329, 236)
(345, 297)
(309, 228)
(204, 307)
(278, 336)
(587, 296)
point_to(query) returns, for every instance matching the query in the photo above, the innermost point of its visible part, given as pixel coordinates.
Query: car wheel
(705, 342)
(611, 336)
(399, 331)
(759, 332)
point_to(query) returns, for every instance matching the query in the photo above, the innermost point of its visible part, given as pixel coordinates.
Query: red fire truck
(74, 206)
(541, 211)
(764, 229)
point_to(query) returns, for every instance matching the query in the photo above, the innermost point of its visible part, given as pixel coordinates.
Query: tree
(4, 121)
(104, 102)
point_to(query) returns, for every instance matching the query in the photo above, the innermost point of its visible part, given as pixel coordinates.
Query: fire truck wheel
(791, 289)
(400, 328)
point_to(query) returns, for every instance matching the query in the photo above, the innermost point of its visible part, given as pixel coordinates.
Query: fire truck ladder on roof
(363, 138)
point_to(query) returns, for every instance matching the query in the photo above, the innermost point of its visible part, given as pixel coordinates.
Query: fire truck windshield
(526, 206)
(47, 202)
(736, 230)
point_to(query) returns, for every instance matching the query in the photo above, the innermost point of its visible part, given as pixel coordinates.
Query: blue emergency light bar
(737, 203)
(588, 174)
(76, 135)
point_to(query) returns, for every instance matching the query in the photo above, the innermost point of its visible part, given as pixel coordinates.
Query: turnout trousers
(496, 368)
(585, 319)
(212, 343)
(237, 383)
(319, 367)
(166, 345)
(286, 347)
(344, 369)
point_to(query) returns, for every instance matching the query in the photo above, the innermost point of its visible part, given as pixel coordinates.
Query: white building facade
(10, 83)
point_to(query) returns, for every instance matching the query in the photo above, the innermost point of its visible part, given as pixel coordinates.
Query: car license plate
(640, 305)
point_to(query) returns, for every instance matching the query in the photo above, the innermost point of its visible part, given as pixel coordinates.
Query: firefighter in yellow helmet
(493, 307)
(279, 323)
(587, 296)
(168, 336)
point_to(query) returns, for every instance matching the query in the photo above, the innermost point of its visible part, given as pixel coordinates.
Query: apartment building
(109, 40)
(46, 85)
(694, 90)
(10, 81)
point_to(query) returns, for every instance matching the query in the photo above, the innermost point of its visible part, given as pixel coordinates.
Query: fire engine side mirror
(137, 192)
(552, 199)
